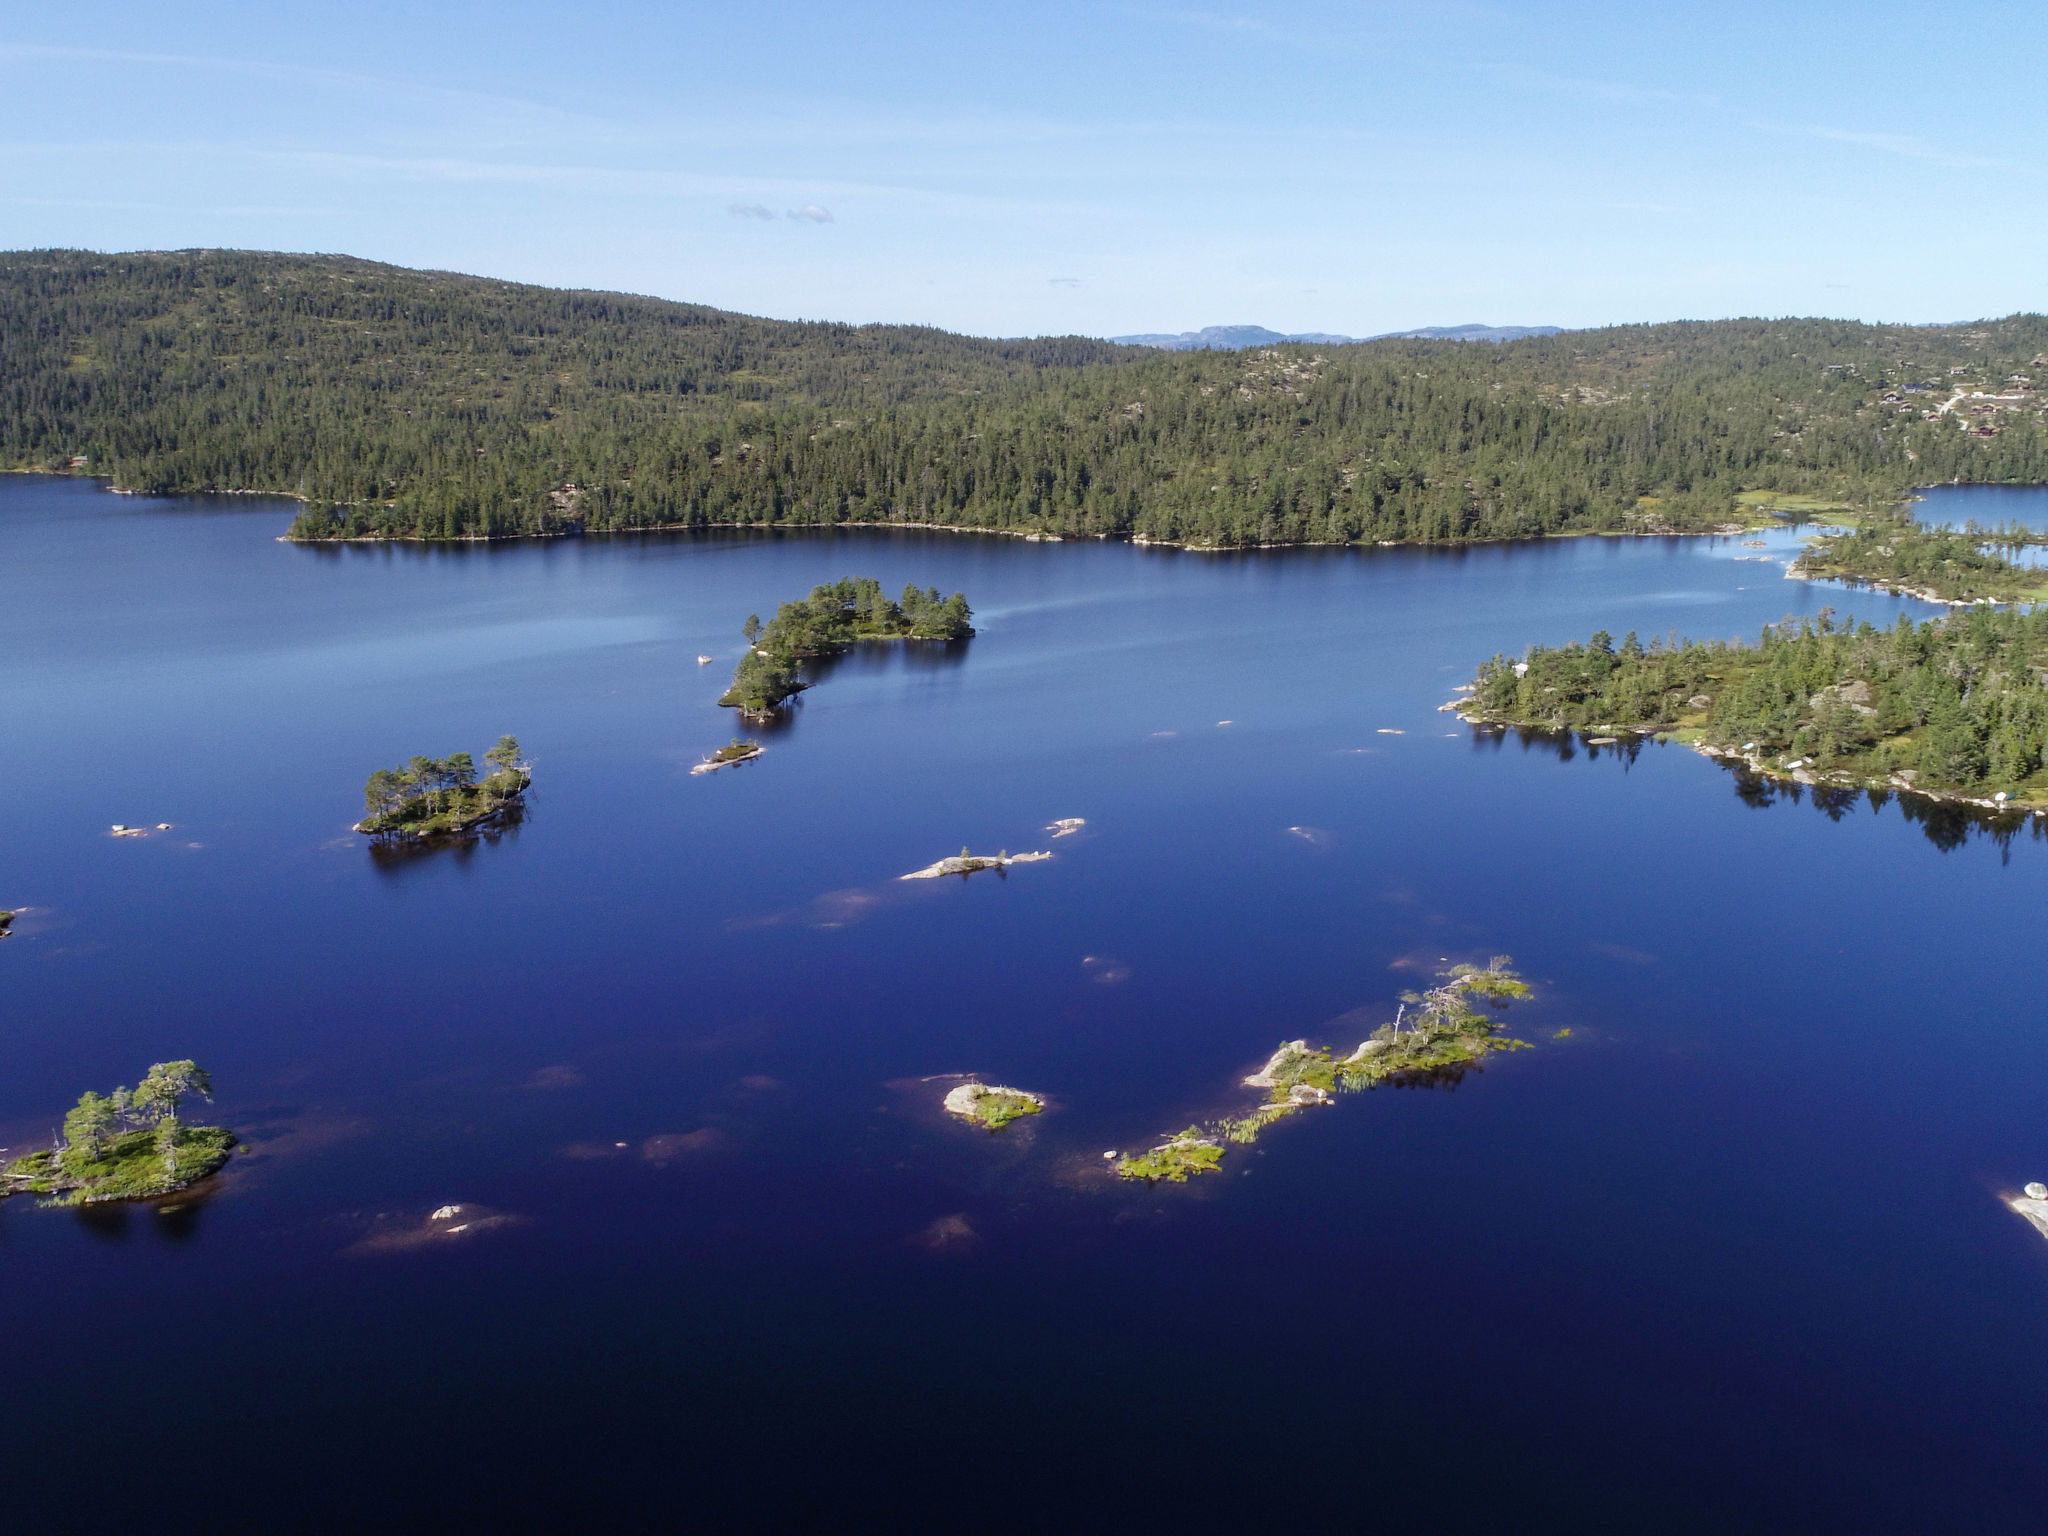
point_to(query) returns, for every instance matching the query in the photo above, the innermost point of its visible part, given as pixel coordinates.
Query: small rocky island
(6, 923)
(2032, 1203)
(965, 863)
(832, 619)
(991, 1106)
(127, 1145)
(442, 796)
(1947, 708)
(1442, 1035)
(735, 751)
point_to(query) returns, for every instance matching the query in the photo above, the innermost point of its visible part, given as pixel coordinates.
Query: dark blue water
(1728, 1256)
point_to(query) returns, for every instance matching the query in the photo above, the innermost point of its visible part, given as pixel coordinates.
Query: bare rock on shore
(991, 1104)
(2033, 1207)
(1268, 1075)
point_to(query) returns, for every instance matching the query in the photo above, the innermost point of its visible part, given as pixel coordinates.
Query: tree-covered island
(1954, 708)
(1442, 1036)
(442, 796)
(127, 1145)
(830, 620)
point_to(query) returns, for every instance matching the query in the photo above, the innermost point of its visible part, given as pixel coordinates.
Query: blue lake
(1728, 1255)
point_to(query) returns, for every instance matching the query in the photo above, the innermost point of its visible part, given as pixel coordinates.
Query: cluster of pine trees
(405, 404)
(829, 620)
(1952, 703)
(443, 793)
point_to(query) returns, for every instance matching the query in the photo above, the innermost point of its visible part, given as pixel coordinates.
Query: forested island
(1955, 707)
(1442, 1037)
(427, 405)
(127, 1145)
(442, 796)
(830, 620)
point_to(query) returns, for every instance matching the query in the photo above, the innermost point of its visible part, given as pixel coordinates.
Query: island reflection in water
(1946, 824)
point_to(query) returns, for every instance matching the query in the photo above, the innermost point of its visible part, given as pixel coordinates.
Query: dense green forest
(828, 621)
(1957, 704)
(429, 405)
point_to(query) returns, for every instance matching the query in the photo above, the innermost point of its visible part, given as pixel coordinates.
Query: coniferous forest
(1952, 704)
(404, 404)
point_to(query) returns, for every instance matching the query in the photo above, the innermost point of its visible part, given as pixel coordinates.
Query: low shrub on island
(435, 796)
(830, 620)
(1953, 705)
(1443, 1035)
(990, 1105)
(127, 1145)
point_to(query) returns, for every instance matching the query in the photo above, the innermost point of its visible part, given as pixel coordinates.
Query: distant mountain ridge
(1231, 338)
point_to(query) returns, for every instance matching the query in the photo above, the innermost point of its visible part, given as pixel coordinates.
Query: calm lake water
(1729, 1255)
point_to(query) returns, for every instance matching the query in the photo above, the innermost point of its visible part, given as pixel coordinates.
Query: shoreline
(1611, 735)
(1900, 589)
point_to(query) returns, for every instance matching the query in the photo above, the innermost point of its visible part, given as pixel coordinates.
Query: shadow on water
(1943, 823)
(393, 856)
(109, 1223)
(1565, 746)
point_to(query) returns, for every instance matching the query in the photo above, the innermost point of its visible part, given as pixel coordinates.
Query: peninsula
(1444, 1034)
(442, 796)
(832, 619)
(1938, 565)
(1954, 708)
(127, 1145)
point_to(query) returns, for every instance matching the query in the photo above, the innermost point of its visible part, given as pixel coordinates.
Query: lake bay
(1724, 1251)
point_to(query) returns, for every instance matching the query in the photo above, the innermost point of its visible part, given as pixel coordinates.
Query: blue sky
(1104, 168)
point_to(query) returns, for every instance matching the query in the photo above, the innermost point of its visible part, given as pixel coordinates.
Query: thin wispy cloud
(1905, 145)
(811, 213)
(750, 211)
(1064, 282)
(1622, 93)
(266, 69)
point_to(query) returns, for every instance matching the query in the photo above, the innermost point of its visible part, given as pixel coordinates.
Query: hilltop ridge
(1239, 336)
(428, 405)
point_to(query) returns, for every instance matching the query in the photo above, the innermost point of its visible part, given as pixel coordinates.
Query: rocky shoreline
(964, 863)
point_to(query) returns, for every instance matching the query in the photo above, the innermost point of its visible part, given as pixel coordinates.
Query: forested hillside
(429, 405)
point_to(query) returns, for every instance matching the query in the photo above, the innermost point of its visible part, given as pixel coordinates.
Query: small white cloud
(1064, 282)
(750, 211)
(812, 213)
